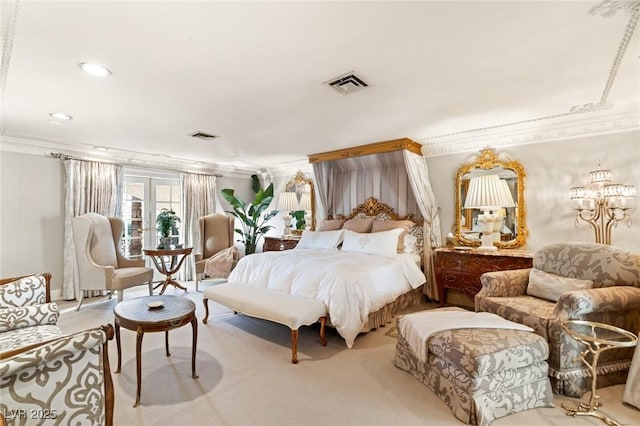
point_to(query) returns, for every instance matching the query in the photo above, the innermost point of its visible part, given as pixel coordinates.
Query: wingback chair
(216, 234)
(101, 265)
(545, 296)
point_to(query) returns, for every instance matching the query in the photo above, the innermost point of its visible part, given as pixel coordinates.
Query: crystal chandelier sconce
(603, 204)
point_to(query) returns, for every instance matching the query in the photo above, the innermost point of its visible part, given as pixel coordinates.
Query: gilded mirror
(513, 230)
(303, 187)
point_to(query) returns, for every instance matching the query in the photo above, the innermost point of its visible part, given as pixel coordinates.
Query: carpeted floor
(246, 377)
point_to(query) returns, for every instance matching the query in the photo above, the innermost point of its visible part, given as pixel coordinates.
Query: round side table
(597, 337)
(151, 314)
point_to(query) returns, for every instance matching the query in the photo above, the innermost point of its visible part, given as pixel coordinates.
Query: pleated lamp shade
(288, 202)
(486, 192)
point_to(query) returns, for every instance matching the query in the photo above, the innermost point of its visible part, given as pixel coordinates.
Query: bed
(362, 286)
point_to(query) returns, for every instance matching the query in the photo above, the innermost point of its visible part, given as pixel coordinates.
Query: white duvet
(351, 285)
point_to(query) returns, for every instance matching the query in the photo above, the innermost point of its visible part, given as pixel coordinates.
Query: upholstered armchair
(582, 281)
(66, 380)
(216, 234)
(101, 265)
(27, 315)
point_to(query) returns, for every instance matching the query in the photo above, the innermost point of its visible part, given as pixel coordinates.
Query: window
(145, 193)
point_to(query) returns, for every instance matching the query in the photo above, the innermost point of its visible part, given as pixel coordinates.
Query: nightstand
(279, 243)
(460, 270)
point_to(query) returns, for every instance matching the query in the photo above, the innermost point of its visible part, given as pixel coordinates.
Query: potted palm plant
(167, 221)
(251, 214)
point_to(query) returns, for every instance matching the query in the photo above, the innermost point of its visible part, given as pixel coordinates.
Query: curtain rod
(63, 156)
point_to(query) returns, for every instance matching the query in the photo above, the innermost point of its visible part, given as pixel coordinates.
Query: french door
(143, 197)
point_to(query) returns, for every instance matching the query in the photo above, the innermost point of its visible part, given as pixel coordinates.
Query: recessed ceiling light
(95, 69)
(100, 148)
(61, 116)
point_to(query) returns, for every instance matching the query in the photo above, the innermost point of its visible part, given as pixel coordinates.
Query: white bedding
(351, 285)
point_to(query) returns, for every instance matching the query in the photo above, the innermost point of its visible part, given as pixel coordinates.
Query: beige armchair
(614, 298)
(216, 234)
(101, 265)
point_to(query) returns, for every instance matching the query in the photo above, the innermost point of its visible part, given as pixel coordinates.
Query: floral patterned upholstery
(26, 314)
(64, 381)
(482, 374)
(46, 376)
(615, 299)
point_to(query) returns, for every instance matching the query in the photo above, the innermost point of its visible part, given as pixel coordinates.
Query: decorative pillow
(29, 290)
(383, 243)
(385, 225)
(320, 239)
(25, 316)
(410, 244)
(359, 225)
(330, 224)
(550, 286)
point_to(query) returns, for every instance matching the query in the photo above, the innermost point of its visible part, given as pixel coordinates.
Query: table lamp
(287, 202)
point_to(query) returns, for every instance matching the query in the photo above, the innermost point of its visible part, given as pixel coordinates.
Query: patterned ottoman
(482, 368)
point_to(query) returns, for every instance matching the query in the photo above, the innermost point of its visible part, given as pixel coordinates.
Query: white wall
(552, 169)
(32, 216)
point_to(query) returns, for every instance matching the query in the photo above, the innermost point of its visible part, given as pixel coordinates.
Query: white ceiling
(253, 73)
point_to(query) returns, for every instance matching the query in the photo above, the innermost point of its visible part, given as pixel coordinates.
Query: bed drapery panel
(418, 173)
(90, 187)
(198, 199)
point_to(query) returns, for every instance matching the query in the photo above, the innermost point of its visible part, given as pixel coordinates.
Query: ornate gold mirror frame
(301, 184)
(515, 228)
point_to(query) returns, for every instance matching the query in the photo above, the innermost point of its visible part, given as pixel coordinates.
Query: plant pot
(165, 243)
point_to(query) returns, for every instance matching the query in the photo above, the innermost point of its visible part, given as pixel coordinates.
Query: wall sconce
(287, 202)
(488, 193)
(603, 204)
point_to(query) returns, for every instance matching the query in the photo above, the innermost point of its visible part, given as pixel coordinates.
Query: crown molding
(33, 146)
(531, 134)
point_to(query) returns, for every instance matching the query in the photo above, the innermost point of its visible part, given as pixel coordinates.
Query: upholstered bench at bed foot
(482, 374)
(283, 308)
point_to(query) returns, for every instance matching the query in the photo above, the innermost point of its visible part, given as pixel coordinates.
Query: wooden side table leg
(166, 342)
(139, 335)
(194, 328)
(117, 328)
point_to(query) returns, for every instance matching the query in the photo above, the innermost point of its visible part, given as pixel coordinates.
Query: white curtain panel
(418, 173)
(323, 173)
(90, 187)
(198, 199)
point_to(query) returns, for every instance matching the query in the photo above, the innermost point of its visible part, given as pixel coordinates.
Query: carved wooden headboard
(373, 207)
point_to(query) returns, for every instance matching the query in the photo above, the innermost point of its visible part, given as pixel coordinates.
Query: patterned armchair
(611, 295)
(45, 376)
(27, 315)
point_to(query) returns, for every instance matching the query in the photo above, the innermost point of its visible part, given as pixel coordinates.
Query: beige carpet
(246, 377)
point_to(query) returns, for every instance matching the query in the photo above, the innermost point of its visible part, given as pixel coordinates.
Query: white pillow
(383, 243)
(550, 286)
(320, 239)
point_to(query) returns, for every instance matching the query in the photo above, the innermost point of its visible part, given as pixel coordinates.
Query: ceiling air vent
(347, 83)
(203, 136)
